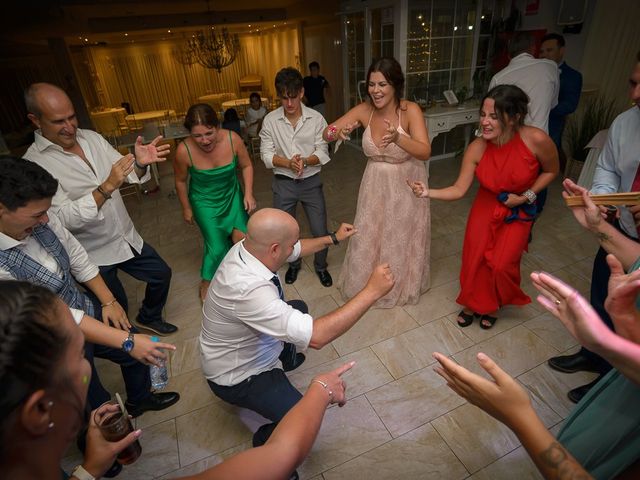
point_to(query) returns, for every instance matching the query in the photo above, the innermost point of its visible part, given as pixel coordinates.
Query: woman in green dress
(209, 157)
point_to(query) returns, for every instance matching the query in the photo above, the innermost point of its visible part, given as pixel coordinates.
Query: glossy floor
(401, 421)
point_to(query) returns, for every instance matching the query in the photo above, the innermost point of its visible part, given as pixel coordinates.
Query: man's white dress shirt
(105, 233)
(619, 161)
(245, 321)
(81, 268)
(279, 137)
(537, 77)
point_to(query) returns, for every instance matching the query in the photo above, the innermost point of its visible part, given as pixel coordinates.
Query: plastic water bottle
(159, 375)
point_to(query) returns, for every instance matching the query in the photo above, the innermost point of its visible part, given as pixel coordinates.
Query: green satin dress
(217, 204)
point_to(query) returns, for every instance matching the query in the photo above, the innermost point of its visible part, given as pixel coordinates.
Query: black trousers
(287, 192)
(146, 266)
(269, 393)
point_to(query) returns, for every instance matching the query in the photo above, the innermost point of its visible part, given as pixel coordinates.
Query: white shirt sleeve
(297, 248)
(81, 267)
(77, 315)
(74, 214)
(266, 313)
(267, 144)
(321, 150)
(606, 178)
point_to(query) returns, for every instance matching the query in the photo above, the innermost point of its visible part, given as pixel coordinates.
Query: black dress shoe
(572, 363)
(577, 393)
(291, 275)
(159, 327)
(290, 358)
(155, 401)
(325, 278)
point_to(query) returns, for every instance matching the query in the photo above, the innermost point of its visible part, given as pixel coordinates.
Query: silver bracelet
(530, 195)
(326, 387)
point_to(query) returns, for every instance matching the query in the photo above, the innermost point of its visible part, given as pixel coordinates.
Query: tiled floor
(401, 421)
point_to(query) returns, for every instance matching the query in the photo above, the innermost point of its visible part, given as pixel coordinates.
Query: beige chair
(254, 148)
(107, 125)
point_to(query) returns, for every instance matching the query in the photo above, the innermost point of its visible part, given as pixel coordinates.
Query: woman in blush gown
(393, 226)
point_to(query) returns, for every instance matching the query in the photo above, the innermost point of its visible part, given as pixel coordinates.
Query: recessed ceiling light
(169, 31)
(86, 39)
(126, 34)
(249, 25)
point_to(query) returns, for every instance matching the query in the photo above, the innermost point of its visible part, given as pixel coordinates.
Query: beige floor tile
(374, 326)
(551, 330)
(186, 357)
(436, 303)
(516, 464)
(194, 394)
(413, 350)
(206, 463)
(420, 453)
(516, 351)
(413, 401)
(159, 453)
(552, 387)
(346, 433)
(445, 270)
(209, 430)
(367, 374)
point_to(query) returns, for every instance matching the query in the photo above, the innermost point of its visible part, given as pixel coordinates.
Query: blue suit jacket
(568, 97)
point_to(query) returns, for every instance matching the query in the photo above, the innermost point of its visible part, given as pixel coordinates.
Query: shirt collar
(43, 143)
(306, 113)
(253, 263)
(7, 242)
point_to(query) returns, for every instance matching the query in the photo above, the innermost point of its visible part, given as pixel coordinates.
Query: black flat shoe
(577, 393)
(325, 278)
(114, 470)
(572, 363)
(291, 275)
(158, 327)
(155, 401)
(290, 358)
(467, 317)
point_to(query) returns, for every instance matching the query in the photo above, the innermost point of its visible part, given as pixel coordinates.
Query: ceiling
(28, 24)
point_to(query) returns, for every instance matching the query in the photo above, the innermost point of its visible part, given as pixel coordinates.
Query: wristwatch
(81, 474)
(304, 163)
(334, 239)
(128, 343)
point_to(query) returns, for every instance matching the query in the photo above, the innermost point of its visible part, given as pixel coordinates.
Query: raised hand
(623, 291)
(572, 309)
(119, 172)
(345, 231)
(391, 134)
(345, 132)
(147, 351)
(419, 189)
(151, 153)
(381, 280)
(589, 215)
(503, 398)
(335, 384)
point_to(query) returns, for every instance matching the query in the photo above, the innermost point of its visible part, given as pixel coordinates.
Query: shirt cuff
(299, 329)
(91, 271)
(77, 315)
(322, 156)
(133, 176)
(297, 248)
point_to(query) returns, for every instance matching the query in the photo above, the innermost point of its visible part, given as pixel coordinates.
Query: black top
(314, 89)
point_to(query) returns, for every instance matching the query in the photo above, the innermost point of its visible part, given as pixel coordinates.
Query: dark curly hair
(392, 72)
(31, 343)
(22, 181)
(510, 101)
(200, 114)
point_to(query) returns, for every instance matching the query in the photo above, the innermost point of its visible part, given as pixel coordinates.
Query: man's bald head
(38, 93)
(270, 225)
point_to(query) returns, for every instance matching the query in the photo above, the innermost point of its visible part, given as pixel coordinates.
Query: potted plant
(596, 114)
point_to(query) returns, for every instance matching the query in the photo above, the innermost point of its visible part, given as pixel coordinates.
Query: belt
(279, 176)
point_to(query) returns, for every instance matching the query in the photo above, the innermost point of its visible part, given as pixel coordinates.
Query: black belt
(279, 176)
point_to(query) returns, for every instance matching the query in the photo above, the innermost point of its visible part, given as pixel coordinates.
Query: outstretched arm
(292, 439)
(507, 401)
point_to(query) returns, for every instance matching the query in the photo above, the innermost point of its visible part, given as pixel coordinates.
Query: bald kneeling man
(247, 321)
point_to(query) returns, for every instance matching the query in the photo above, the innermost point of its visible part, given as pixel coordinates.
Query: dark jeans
(137, 379)
(148, 267)
(269, 393)
(288, 192)
(599, 291)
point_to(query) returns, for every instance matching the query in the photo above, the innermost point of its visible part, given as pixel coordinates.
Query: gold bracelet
(108, 304)
(326, 387)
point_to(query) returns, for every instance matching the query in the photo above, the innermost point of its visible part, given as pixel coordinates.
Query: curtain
(149, 78)
(611, 48)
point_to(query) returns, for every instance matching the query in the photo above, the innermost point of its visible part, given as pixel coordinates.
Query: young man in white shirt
(88, 202)
(291, 144)
(246, 319)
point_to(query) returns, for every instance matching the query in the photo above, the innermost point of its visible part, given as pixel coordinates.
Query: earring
(478, 132)
(51, 425)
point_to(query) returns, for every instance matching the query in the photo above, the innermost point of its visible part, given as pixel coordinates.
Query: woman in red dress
(513, 163)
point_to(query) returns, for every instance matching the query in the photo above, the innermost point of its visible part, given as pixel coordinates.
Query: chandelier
(209, 49)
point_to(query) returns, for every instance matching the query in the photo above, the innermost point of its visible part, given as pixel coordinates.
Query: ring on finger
(558, 302)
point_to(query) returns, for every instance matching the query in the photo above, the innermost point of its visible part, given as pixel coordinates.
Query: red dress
(490, 274)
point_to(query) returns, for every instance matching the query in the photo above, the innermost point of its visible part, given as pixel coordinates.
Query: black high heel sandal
(467, 317)
(488, 318)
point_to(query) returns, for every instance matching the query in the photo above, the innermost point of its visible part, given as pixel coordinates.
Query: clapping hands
(391, 134)
(151, 153)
